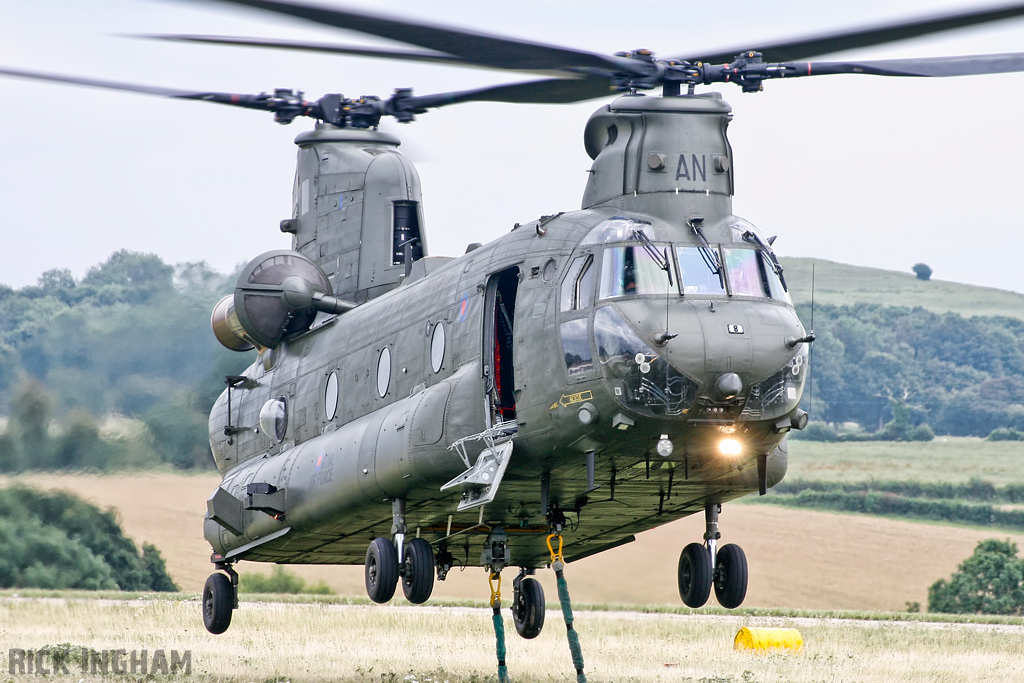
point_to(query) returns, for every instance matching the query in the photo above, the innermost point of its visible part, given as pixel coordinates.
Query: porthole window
(331, 397)
(384, 371)
(274, 418)
(437, 347)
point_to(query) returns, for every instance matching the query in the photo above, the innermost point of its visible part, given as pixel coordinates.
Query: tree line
(132, 339)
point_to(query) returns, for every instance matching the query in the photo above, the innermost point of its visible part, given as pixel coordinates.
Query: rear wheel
(381, 570)
(695, 575)
(731, 576)
(218, 601)
(528, 608)
(418, 577)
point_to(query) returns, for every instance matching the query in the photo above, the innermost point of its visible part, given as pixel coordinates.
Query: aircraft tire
(528, 608)
(218, 602)
(695, 575)
(731, 576)
(418, 578)
(381, 570)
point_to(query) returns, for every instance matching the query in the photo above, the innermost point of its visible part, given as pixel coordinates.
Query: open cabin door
(499, 323)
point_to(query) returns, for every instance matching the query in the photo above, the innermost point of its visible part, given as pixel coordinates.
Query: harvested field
(310, 642)
(798, 558)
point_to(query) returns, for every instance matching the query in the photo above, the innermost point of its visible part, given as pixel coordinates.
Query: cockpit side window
(577, 291)
(629, 271)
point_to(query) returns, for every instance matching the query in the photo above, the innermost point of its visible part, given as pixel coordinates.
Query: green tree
(922, 271)
(991, 581)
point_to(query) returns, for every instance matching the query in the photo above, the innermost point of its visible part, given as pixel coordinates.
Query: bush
(280, 580)
(54, 539)
(1005, 434)
(991, 581)
(922, 432)
(922, 271)
(815, 431)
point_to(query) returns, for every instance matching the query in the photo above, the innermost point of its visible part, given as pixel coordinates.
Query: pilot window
(578, 286)
(751, 275)
(696, 274)
(628, 271)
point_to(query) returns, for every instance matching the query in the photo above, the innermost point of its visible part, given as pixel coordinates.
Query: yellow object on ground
(768, 639)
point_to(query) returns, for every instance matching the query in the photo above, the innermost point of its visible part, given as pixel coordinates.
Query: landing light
(730, 447)
(664, 446)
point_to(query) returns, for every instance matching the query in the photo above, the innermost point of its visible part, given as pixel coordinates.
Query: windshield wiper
(753, 237)
(707, 252)
(652, 251)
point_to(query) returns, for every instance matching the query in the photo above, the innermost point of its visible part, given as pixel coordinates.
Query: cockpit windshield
(629, 271)
(751, 274)
(696, 275)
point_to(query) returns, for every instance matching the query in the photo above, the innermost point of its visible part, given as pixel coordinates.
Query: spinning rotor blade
(482, 49)
(331, 48)
(803, 48)
(966, 65)
(549, 91)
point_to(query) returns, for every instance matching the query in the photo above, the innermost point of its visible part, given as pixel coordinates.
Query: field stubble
(315, 642)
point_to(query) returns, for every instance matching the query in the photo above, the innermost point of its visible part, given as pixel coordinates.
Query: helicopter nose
(728, 385)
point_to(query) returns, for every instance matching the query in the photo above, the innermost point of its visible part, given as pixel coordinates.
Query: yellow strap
(555, 556)
(495, 590)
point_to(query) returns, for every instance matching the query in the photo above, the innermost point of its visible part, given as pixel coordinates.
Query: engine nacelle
(278, 295)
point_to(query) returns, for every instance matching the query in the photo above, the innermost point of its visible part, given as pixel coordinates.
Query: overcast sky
(866, 170)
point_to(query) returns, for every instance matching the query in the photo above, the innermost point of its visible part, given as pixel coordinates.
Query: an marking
(698, 166)
(569, 399)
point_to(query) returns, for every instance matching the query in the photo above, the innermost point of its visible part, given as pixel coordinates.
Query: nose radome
(728, 385)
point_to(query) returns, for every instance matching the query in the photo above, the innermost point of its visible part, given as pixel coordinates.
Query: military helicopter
(597, 372)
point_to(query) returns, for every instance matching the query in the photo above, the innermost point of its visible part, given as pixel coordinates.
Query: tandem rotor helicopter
(590, 375)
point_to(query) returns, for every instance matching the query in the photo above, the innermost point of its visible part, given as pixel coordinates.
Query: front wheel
(381, 570)
(695, 575)
(528, 608)
(731, 576)
(218, 602)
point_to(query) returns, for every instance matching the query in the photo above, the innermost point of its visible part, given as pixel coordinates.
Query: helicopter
(599, 371)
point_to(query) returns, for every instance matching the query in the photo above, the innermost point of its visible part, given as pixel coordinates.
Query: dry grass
(279, 642)
(798, 558)
(946, 459)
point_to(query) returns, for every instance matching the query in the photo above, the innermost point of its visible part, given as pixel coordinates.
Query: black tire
(695, 575)
(418, 578)
(218, 602)
(528, 608)
(731, 576)
(381, 570)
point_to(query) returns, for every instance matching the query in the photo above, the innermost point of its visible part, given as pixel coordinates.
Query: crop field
(946, 459)
(798, 558)
(316, 642)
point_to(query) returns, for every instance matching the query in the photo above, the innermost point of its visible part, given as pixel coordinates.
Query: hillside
(842, 284)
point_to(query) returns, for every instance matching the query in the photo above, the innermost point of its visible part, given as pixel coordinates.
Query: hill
(842, 284)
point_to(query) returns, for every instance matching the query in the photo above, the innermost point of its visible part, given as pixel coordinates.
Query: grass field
(946, 459)
(798, 558)
(314, 642)
(842, 284)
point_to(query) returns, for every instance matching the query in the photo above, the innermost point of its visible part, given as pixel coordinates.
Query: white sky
(866, 170)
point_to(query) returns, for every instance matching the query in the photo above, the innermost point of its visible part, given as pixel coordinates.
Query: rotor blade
(548, 91)
(334, 48)
(966, 65)
(804, 48)
(232, 99)
(477, 48)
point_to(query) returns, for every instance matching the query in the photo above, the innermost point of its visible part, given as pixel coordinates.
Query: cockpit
(622, 260)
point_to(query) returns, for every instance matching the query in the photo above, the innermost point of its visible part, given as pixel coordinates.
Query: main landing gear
(220, 597)
(387, 561)
(702, 566)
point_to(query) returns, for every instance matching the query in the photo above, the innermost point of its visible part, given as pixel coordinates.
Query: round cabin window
(274, 418)
(437, 347)
(384, 371)
(331, 396)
